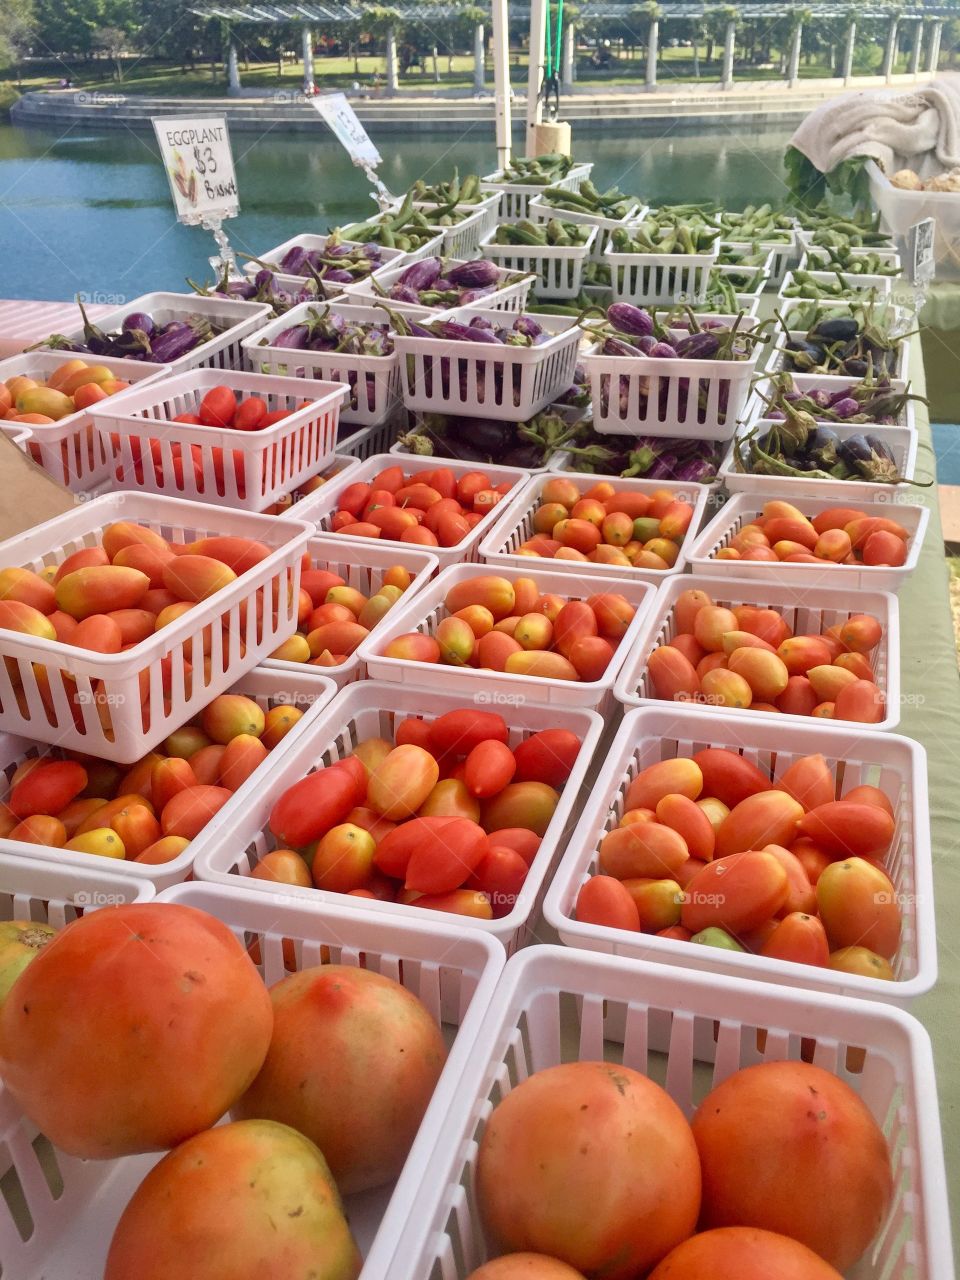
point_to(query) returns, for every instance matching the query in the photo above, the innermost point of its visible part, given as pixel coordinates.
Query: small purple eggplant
(421, 275)
(404, 293)
(139, 320)
(293, 339)
(629, 319)
(474, 295)
(454, 331)
(481, 273)
(337, 275)
(664, 351)
(846, 408)
(698, 346)
(528, 327)
(292, 262)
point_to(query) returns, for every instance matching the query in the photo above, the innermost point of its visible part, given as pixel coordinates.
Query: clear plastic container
(249, 470)
(372, 709)
(855, 756)
(901, 209)
(554, 1005)
(73, 1205)
(119, 705)
(809, 612)
(308, 690)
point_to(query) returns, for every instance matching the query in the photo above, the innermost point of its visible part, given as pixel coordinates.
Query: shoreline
(639, 112)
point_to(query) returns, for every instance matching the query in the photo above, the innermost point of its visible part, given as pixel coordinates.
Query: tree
(17, 31)
(111, 41)
(183, 37)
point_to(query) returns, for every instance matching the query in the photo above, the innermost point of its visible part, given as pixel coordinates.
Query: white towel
(918, 129)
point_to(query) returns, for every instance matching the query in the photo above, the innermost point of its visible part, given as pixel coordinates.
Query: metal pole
(478, 68)
(793, 70)
(848, 52)
(729, 45)
(917, 48)
(436, 69)
(890, 53)
(653, 41)
(308, 85)
(569, 58)
(538, 30)
(233, 70)
(933, 50)
(392, 82)
(501, 81)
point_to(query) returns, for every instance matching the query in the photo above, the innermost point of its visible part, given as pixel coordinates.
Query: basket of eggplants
(530, 445)
(878, 401)
(441, 284)
(688, 375)
(265, 286)
(485, 363)
(139, 337)
(854, 342)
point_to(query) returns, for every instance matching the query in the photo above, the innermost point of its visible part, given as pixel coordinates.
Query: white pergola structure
(318, 13)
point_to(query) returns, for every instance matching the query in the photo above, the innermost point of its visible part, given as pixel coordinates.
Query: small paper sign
(923, 265)
(198, 159)
(342, 119)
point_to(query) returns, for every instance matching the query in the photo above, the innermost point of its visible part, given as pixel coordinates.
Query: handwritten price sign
(198, 159)
(343, 121)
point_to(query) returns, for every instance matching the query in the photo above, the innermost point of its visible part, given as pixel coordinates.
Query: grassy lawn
(149, 77)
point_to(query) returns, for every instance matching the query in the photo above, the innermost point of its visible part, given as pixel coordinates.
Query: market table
(931, 714)
(940, 317)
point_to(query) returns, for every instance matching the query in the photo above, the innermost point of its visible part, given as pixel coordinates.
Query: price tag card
(342, 119)
(199, 163)
(920, 258)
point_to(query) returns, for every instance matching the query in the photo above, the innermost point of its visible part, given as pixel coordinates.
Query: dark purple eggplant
(292, 262)
(618, 347)
(171, 344)
(139, 320)
(454, 331)
(698, 346)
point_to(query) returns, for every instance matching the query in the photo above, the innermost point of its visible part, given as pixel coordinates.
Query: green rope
(553, 52)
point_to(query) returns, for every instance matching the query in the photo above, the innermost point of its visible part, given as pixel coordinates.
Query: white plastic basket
(745, 507)
(289, 503)
(53, 895)
(70, 449)
(462, 239)
(515, 197)
(308, 689)
(644, 395)
(647, 278)
(363, 565)
(902, 209)
(817, 258)
(853, 283)
(515, 526)
(729, 270)
(558, 268)
(452, 970)
(373, 709)
(777, 358)
(542, 211)
(239, 319)
(781, 255)
(497, 688)
(855, 756)
(554, 1005)
(511, 296)
(326, 500)
(805, 382)
(373, 381)
(501, 381)
(244, 469)
(902, 442)
(119, 719)
(17, 433)
(808, 613)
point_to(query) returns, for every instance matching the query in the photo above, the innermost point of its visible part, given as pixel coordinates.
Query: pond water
(91, 212)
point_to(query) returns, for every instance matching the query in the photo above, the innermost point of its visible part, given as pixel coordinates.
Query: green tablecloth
(931, 714)
(941, 350)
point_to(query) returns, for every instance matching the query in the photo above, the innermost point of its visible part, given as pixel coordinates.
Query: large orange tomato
(743, 1253)
(245, 1201)
(788, 1147)
(591, 1163)
(135, 1028)
(525, 1266)
(353, 1063)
